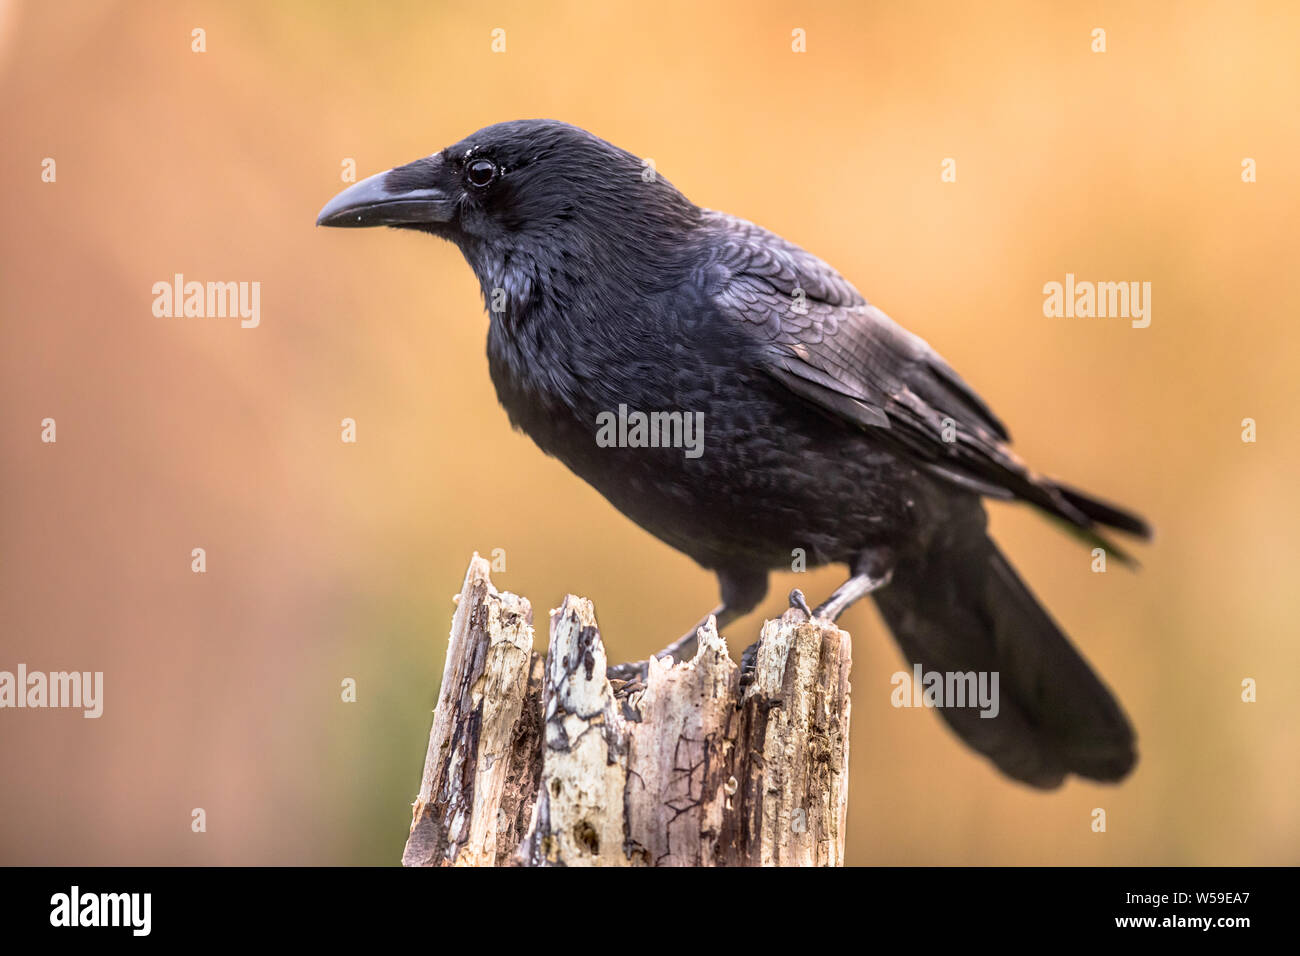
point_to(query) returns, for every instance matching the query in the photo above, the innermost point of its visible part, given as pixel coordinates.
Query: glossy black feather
(829, 429)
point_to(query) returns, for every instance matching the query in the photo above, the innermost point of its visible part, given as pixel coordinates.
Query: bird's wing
(826, 343)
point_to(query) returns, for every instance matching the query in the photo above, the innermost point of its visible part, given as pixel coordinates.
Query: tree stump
(549, 763)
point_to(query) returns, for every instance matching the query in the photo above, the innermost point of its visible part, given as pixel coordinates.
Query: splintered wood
(545, 763)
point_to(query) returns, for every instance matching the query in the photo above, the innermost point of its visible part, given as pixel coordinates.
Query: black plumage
(828, 427)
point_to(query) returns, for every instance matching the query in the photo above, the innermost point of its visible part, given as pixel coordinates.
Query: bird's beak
(371, 203)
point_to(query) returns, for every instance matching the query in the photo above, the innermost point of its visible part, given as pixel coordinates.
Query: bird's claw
(630, 673)
(797, 600)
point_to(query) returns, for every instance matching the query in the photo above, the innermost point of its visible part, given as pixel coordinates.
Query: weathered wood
(688, 768)
(482, 765)
(578, 815)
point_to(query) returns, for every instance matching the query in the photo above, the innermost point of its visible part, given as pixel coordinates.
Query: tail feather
(1103, 512)
(960, 607)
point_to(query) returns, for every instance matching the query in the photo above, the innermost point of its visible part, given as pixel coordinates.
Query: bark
(553, 765)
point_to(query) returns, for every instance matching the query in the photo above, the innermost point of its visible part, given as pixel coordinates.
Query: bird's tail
(960, 607)
(1103, 512)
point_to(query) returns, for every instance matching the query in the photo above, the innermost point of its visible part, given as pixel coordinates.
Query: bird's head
(523, 192)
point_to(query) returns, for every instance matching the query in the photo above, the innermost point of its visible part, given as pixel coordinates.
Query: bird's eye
(481, 172)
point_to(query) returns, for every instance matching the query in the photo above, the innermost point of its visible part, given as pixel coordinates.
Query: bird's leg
(678, 650)
(851, 591)
(872, 570)
(685, 645)
(741, 593)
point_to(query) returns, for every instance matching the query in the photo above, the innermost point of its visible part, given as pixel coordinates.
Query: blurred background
(328, 560)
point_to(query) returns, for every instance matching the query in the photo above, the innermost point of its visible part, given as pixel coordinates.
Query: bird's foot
(636, 672)
(633, 672)
(797, 600)
(748, 666)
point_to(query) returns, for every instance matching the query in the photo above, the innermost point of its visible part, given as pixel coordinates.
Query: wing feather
(829, 345)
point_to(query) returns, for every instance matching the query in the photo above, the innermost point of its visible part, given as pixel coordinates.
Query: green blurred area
(328, 561)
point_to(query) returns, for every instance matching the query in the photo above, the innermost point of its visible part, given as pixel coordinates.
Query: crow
(829, 431)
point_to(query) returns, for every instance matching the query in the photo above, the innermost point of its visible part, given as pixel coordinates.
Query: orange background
(328, 560)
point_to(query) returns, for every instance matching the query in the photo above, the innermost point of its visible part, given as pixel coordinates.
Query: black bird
(827, 427)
